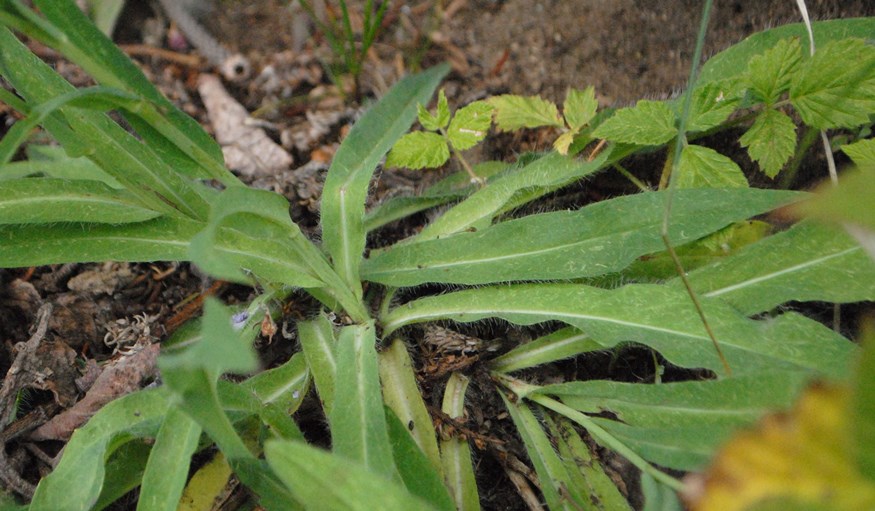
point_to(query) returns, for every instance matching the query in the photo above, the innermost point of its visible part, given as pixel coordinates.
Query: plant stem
(628, 175)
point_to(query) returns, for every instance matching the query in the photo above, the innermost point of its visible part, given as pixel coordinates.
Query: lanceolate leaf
(564, 343)
(535, 179)
(552, 473)
(346, 187)
(358, 423)
(455, 452)
(680, 425)
(598, 239)
(808, 262)
(320, 480)
(161, 239)
(319, 348)
(168, 466)
(48, 200)
(658, 316)
(75, 483)
(770, 141)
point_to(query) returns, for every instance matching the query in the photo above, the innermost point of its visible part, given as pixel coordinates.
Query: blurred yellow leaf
(804, 456)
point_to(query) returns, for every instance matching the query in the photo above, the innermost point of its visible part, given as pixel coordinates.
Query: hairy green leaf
(417, 150)
(836, 86)
(703, 167)
(75, 483)
(808, 262)
(598, 239)
(551, 471)
(319, 345)
(770, 141)
(513, 112)
(470, 125)
(404, 397)
(647, 123)
(421, 477)
(320, 480)
(358, 423)
(48, 200)
(769, 75)
(168, 465)
(284, 386)
(564, 343)
(658, 316)
(531, 181)
(346, 186)
(707, 412)
(455, 452)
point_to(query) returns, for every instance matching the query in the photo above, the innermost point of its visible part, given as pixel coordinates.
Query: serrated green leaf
(647, 123)
(733, 61)
(48, 200)
(703, 167)
(712, 104)
(417, 150)
(513, 112)
(320, 480)
(808, 262)
(836, 86)
(580, 107)
(455, 452)
(358, 423)
(770, 141)
(769, 75)
(470, 125)
(862, 152)
(75, 482)
(657, 316)
(598, 239)
(440, 120)
(564, 343)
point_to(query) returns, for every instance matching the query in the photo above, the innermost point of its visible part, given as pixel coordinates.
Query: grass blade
(346, 187)
(598, 239)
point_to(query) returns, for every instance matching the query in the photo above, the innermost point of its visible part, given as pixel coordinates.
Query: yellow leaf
(804, 456)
